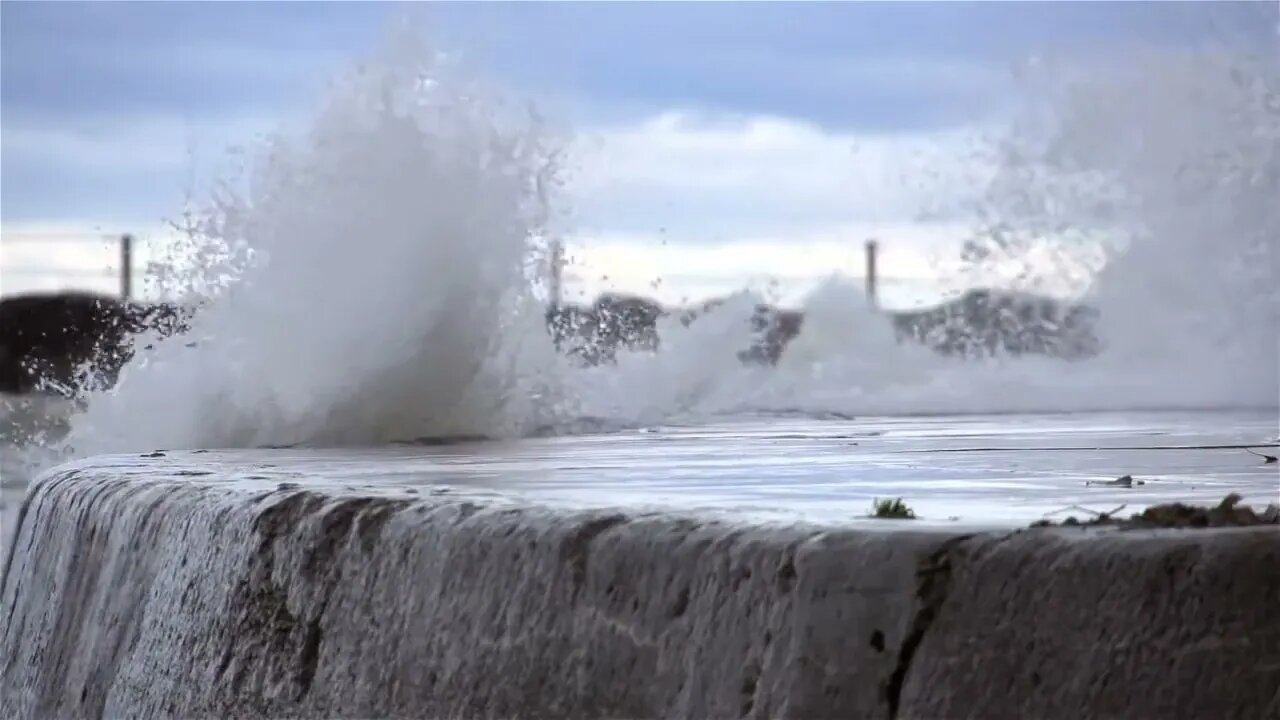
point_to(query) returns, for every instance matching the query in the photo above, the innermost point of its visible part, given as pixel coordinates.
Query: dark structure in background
(772, 329)
(595, 333)
(978, 324)
(988, 323)
(66, 341)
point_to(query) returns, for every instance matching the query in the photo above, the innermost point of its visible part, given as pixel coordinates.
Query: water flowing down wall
(177, 587)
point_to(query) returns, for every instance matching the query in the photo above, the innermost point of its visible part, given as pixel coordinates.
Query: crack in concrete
(263, 613)
(575, 549)
(933, 582)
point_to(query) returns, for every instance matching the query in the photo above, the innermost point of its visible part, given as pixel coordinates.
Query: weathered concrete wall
(1139, 624)
(177, 594)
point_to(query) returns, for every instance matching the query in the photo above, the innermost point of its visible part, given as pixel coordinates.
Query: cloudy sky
(732, 141)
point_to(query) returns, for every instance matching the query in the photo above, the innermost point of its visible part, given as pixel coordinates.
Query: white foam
(1168, 163)
(385, 294)
(379, 271)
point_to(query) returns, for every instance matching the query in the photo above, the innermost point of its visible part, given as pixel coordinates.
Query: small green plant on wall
(894, 509)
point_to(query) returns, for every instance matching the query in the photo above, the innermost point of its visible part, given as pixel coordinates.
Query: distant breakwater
(66, 342)
(980, 323)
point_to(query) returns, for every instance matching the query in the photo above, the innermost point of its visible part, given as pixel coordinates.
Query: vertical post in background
(870, 281)
(126, 266)
(554, 289)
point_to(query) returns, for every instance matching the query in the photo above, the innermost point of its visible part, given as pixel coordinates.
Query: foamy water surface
(993, 470)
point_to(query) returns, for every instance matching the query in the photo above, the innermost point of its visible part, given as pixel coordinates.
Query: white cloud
(686, 206)
(49, 256)
(913, 264)
(720, 175)
(71, 255)
(682, 207)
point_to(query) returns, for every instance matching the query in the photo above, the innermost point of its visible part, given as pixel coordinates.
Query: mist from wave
(374, 278)
(1165, 161)
(369, 279)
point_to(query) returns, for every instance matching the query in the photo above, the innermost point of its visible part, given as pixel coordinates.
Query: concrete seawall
(166, 588)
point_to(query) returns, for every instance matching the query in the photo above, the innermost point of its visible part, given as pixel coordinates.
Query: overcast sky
(791, 124)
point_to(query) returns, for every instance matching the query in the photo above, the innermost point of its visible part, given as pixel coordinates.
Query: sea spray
(1145, 180)
(1173, 156)
(373, 280)
(696, 370)
(373, 276)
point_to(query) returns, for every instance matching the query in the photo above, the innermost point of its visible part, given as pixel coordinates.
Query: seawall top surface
(409, 475)
(954, 474)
